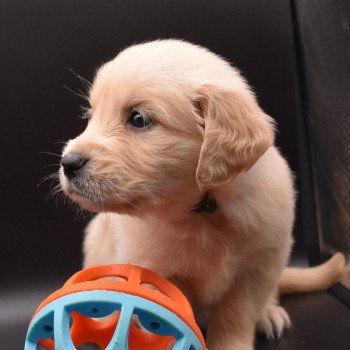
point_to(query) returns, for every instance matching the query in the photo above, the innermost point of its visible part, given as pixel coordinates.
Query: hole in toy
(114, 278)
(89, 346)
(45, 344)
(94, 310)
(154, 325)
(171, 345)
(48, 329)
(142, 338)
(153, 287)
(86, 329)
(105, 318)
(137, 323)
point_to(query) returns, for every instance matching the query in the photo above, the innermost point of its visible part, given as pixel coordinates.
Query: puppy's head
(166, 118)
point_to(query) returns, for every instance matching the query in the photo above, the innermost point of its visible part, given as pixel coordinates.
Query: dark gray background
(41, 41)
(294, 53)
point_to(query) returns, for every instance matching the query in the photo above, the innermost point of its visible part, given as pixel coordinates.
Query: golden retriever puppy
(178, 160)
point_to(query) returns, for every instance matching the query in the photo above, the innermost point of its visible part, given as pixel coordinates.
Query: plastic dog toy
(116, 307)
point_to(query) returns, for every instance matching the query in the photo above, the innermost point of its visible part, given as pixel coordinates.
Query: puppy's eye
(137, 120)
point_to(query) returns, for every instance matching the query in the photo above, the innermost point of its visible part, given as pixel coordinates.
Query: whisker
(86, 83)
(50, 165)
(137, 200)
(146, 189)
(86, 112)
(80, 213)
(81, 95)
(53, 176)
(100, 202)
(60, 142)
(56, 190)
(50, 153)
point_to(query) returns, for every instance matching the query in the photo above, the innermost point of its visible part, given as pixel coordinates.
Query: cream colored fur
(208, 135)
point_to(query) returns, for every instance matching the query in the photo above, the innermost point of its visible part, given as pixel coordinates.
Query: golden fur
(208, 135)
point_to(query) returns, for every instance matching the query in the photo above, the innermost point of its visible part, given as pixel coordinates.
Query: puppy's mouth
(73, 190)
(89, 197)
(78, 195)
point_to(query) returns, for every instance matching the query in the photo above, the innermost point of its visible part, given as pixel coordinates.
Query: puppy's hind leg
(274, 319)
(312, 279)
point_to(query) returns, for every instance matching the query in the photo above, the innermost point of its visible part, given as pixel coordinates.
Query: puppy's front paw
(273, 321)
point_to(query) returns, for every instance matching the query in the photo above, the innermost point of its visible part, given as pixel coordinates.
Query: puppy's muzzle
(73, 163)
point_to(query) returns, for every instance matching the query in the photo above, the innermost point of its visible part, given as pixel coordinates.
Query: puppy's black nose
(72, 162)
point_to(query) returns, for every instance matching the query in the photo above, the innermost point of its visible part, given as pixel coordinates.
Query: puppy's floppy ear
(237, 133)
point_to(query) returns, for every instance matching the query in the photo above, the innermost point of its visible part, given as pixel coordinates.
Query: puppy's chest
(201, 258)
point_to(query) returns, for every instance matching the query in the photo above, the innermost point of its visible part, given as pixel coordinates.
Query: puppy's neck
(190, 206)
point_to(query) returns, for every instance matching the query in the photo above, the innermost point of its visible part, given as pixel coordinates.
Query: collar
(207, 205)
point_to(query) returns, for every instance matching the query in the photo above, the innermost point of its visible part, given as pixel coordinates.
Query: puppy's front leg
(234, 317)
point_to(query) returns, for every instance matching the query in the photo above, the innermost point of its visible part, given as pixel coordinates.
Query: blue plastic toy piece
(53, 321)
